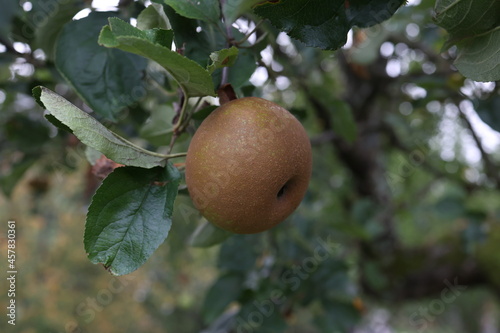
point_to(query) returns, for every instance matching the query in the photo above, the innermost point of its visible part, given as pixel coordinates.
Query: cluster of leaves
(271, 290)
(146, 225)
(116, 70)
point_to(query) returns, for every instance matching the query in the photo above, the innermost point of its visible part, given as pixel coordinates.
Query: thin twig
(175, 155)
(260, 39)
(244, 39)
(28, 57)
(185, 100)
(489, 166)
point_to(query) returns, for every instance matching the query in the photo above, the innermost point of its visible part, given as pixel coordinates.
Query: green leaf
(153, 17)
(54, 121)
(367, 13)
(9, 10)
(331, 280)
(243, 69)
(223, 58)
(207, 234)
(474, 26)
(224, 291)
(488, 111)
(239, 252)
(92, 155)
(195, 80)
(159, 127)
(232, 9)
(343, 121)
(93, 133)
(205, 10)
(272, 320)
(197, 45)
(198, 117)
(479, 58)
(27, 134)
(130, 216)
(55, 17)
(161, 37)
(325, 23)
(338, 317)
(107, 80)
(467, 18)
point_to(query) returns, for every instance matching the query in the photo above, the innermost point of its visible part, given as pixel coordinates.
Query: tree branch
(489, 166)
(28, 57)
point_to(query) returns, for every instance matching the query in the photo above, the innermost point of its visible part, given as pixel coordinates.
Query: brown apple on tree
(248, 165)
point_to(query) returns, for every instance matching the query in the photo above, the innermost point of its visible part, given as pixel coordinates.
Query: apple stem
(226, 94)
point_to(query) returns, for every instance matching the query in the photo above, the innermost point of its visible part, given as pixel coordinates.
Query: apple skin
(248, 165)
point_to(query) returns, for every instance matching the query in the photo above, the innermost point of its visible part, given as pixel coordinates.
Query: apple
(248, 165)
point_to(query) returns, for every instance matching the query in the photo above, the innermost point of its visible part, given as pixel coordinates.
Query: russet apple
(248, 165)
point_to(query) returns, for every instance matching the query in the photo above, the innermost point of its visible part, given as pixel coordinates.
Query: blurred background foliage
(404, 193)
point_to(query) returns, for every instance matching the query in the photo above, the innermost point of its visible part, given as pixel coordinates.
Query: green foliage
(159, 128)
(239, 253)
(208, 11)
(337, 317)
(47, 34)
(153, 17)
(13, 139)
(194, 79)
(94, 134)
(9, 180)
(474, 27)
(18, 123)
(478, 58)
(130, 216)
(223, 58)
(343, 122)
(233, 9)
(9, 10)
(325, 24)
(466, 19)
(201, 41)
(197, 45)
(207, 234)
(226, 289)
(106, 79)
(484, 108)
